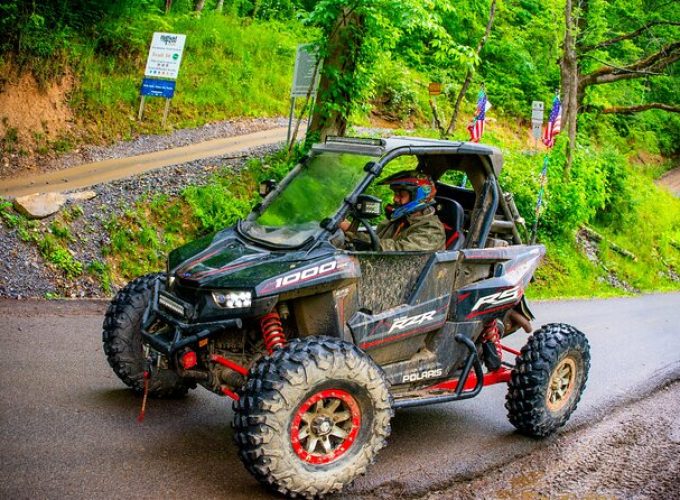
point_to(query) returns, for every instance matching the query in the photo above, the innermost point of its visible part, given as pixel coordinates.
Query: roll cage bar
(484, 179)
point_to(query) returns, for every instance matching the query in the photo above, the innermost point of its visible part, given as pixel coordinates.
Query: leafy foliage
(240, 64)
(140, 239)
(214, 205)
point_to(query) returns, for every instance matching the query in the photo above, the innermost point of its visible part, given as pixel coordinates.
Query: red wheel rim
(325, 426)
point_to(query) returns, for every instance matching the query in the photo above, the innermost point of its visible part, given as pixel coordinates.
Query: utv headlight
(233, 300)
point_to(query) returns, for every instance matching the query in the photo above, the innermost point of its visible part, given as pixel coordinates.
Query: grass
(230, 68)
(567, 273)
(652, 233)
(141, 238)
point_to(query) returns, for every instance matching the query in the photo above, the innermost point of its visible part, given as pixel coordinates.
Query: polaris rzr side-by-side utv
(318, 341)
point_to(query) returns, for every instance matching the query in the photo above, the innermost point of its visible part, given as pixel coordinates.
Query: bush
(574, 200)
(215, 206)
(394, 90)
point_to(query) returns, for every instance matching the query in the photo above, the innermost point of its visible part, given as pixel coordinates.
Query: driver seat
(451, 214)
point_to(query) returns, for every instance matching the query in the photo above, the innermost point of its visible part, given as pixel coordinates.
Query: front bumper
(176, 332)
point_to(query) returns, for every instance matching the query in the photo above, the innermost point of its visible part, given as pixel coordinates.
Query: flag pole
(553, 128)
(539, 200)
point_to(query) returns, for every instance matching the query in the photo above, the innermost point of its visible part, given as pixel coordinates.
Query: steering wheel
(374, 244)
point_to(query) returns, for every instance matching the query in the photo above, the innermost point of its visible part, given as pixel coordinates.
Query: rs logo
(500, 298)
(402, 323)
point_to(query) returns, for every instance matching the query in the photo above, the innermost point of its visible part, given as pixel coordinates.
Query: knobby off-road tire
(294, 397)
(123, 341)
(549, 376)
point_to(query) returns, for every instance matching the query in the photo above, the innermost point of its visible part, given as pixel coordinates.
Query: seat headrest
(450, 212)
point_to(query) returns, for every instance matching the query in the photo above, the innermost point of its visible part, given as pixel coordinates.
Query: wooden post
(141, 108)
(165, 113)
(290, 118)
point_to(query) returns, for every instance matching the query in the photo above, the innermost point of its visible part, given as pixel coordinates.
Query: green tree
(355, 32)
(607, 42)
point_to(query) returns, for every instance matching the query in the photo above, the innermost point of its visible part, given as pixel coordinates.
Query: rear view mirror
(267, 187)
(368, 207)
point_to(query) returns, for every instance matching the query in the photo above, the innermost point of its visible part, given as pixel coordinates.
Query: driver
(412, 224)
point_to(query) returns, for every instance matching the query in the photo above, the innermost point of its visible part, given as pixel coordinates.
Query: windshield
(314, 194)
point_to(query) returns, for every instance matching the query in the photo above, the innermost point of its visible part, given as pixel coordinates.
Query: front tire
(122, 339)
(312, 417)
(548, 379)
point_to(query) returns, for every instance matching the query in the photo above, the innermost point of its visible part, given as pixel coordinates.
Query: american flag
(476, 128)
(554, 123)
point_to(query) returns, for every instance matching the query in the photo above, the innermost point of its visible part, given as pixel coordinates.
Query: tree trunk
(569, 75)
(471, 71)
(168, 5)
(335, 86)
(220, 6)
(199, 5)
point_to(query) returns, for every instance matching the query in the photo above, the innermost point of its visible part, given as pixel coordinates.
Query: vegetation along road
(68, 425)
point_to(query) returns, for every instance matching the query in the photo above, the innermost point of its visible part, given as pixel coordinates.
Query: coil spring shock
(492, 334)
(491, 347)
(272, 331)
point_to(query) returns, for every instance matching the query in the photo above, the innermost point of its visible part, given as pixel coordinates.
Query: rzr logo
(408, 321)
(414, 377)
(500, 298)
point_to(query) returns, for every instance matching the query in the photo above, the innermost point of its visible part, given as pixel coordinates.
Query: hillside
(69, 93)
(92, 247)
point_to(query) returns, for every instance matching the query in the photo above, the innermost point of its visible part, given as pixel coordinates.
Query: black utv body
(318, 343)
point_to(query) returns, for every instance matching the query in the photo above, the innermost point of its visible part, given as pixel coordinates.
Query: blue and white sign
(158, 88)
(165, 55)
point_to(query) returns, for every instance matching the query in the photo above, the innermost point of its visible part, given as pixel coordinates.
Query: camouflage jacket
(421, 231)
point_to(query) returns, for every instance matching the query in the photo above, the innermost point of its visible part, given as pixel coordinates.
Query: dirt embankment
(31, 117)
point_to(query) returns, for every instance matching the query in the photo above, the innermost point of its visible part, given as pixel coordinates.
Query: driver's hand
(338, 239)
(345, 225)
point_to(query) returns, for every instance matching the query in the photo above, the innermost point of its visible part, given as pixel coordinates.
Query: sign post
(162, 69)
(434, 89)
(305, 80)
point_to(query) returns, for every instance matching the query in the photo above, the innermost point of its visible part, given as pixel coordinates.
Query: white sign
(536, 118)
(165, 55)
(305, 70)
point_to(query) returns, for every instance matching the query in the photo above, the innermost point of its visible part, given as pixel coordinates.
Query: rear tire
(548, 379)
(123, 341)
(312, 417)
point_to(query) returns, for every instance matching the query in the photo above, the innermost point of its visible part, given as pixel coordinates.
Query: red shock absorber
(495, 336)
(492, 335)
(272, 331)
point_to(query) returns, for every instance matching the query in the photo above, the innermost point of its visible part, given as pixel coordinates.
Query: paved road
(117, 168)
(68, 430)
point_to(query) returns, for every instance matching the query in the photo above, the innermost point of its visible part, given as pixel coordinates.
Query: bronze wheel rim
(325, 426)
(561, 385)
